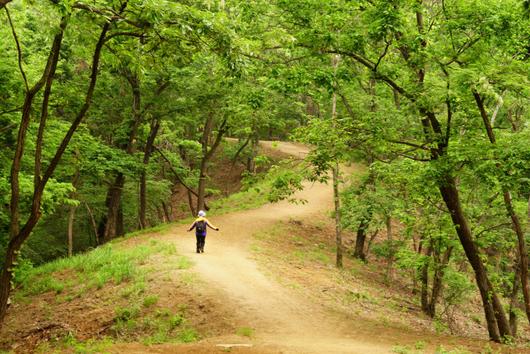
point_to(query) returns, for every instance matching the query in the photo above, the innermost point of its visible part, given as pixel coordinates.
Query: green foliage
(285, 185)
(245, 332)
(72, 344)
(459, 288)
(390, 84)
(150, 300)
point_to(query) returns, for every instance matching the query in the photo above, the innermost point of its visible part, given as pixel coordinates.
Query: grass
(72, 345)
(245, 332)
(93, 270)
(134, 290)
(156, 327)
(255, 192)
(150, 300)
(140, 319)
(354, 297)
(165, 326)
(442, 350)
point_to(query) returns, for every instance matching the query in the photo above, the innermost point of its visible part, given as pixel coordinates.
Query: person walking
(200, 225)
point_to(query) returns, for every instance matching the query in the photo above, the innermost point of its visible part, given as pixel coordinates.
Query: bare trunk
(389, 270)
(360, 240)
(424, 279)
(370, 241)
(207, 153)
(498, 326)
(202, 185)
(155, 125)
(160, 213)
(516, 224)
(167, 213)
(191, 205)
(71, 218)
(514, 302)
(338, 231)
(113, 203)
(201, 188)
(437, 281)
(238, 152)
(336, 195)
(522, 250)
(180, 180)
(94, 224)
(114, 220)
(251, 161)
(4, 3)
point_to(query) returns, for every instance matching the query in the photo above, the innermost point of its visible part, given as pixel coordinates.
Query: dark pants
(201, 239)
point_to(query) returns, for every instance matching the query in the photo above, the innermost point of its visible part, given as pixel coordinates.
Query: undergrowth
(91, 270)
(154, 327)
(258, 188)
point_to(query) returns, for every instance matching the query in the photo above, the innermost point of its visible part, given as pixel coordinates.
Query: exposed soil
(249, 278)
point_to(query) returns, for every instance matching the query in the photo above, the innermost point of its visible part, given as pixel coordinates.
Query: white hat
(202, 213)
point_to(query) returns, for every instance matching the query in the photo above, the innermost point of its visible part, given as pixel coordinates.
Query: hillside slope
(281, 319)
(247, 293)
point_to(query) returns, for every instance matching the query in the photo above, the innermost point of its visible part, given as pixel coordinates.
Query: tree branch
(484, 115)
(179, 179)
(125, 33)
(372, 66)
(45, 101)
(4, 3)
(19, 51)
(417, 146)
(84, 109)
(382, 55)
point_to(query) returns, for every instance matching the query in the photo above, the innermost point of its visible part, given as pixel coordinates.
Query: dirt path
(281, 320)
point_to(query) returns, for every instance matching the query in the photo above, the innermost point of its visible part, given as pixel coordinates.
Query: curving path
(281, 319)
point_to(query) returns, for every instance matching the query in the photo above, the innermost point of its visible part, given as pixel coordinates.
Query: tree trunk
(4, 3)
(71, 218)
(161, 215)
(114, 220)
(370, 241)
(335, 172)
(17, 237)
(424, 279)
(513, 298)
(202, 185)
(201, 188)
(191, 204)
(239, 151)
(516, 224)
(360, 240)
(111, 227)
(207, 153)
(389, 270)
(498, 326)
(167, 213)
(437, 281)
(155, 125)
(336, 200)
(181, 181)
(94, 224)
(522, 250)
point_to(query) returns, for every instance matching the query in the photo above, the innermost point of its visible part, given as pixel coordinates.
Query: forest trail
(282, 321)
